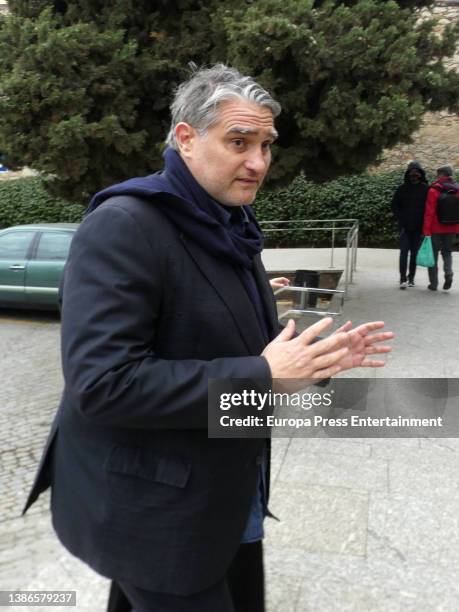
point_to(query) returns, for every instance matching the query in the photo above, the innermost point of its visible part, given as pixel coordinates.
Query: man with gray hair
(164, 289)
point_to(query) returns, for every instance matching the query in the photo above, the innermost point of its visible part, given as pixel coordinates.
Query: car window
(14, 245)
(54, 246)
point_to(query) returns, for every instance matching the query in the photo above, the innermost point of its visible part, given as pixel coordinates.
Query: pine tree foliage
(85, 85)
(352, 79)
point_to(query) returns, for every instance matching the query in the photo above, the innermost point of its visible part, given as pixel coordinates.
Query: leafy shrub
(25, 200)
(366, 197)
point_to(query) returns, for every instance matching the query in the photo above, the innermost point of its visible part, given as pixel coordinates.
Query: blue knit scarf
(190, 208)
(180, 197)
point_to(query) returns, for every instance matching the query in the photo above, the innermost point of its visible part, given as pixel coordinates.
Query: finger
(372, 350)
(326, 373)
(279, 281)
(329, 359)
(381, 337)
(344, 328)
(372, 363)
(311, 332)
(366, 328)
(330, 344)
(287, 333)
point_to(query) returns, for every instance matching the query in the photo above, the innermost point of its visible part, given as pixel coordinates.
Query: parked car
(32, 259)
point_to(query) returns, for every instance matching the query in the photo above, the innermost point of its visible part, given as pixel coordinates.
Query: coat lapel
(227, 284)
(266, 294)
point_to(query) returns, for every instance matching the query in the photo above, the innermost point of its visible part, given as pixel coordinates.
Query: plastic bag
(425, 256)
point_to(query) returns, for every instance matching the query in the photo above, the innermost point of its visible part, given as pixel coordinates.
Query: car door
(15, 248)
(45, 267)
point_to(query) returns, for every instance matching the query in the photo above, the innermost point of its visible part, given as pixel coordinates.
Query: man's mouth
(248, 181)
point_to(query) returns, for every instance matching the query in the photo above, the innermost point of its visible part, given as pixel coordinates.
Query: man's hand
(361, 344)
(346, 348)
(301, 357)
(278, 282)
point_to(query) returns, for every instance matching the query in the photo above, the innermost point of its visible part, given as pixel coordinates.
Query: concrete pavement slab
(332, 582)
(430, 531)
(319, 518)
(304, 466)
(426, 473)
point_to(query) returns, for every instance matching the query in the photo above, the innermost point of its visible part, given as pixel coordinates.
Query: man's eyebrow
(250, 131)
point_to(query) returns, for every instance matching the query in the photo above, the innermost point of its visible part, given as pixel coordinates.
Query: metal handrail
(308, 290)
(320, 313)
(334, 225)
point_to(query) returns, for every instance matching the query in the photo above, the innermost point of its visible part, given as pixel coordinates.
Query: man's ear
(185, 136)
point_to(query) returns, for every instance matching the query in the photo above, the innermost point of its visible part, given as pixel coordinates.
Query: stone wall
(437, 141)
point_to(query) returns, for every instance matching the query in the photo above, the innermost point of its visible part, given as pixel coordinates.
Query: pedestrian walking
(408, 205)
(443, 233)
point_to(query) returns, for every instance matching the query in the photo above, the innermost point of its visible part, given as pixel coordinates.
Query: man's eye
(238, 143)
(267, 145)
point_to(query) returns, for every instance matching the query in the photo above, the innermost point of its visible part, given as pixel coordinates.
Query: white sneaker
(403, 285)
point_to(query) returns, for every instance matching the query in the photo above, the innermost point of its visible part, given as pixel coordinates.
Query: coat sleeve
(111, 304)
(430, 211)
(395, 204)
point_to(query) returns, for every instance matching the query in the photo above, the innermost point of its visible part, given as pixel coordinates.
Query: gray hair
(196, 100)
(445, 170)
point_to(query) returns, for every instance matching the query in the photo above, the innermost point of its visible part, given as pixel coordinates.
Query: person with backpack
(441, 221)
(408, 206)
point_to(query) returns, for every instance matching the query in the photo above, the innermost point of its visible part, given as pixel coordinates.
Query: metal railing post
(346, 267)
(356, 247)
(332, 245)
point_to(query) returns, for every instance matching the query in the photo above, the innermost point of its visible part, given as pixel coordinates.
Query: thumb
(287, 333)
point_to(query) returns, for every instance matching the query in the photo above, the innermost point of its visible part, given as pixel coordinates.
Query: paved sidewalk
(425, 322)
(372, 524)
(366, 524)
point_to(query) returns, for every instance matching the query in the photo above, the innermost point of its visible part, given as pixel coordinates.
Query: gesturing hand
(278, 282)
(346, 348)
(302, 357)
(361, 344)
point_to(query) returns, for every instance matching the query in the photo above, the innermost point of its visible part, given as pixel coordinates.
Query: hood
(414, 165)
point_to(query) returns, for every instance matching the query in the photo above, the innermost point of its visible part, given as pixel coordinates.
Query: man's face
(232, 159)
(415, 176)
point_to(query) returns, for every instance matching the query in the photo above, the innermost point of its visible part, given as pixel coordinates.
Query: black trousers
(241, 590)
(410, 241)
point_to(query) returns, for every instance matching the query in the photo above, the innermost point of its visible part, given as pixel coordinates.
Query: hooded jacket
(408, 203)
(431, 223)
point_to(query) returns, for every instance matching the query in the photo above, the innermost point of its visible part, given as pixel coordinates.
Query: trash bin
(307, 278)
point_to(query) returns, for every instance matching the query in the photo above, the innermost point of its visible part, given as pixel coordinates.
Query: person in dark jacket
(443, 235)
(408, 206)
(163, 291)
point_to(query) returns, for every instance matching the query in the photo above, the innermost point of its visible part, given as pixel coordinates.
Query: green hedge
(366, 197)
(25, 200)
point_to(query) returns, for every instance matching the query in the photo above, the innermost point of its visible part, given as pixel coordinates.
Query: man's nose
(256, 161)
